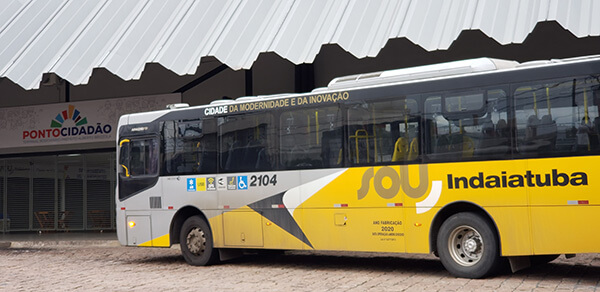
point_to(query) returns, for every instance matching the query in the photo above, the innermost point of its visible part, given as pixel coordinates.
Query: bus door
(138, 185)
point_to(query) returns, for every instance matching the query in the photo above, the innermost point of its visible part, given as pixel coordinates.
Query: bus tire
(196, 242)
(468, 246)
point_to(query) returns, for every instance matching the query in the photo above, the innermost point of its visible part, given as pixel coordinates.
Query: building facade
(69, 69)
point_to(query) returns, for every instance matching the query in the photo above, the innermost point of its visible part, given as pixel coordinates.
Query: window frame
(418, 116)
(338, 126)
(155, 152)
(437, 157)
(575, 81)
(271, 141)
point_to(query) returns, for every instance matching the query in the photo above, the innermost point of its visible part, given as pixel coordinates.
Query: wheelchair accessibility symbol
(242, 182)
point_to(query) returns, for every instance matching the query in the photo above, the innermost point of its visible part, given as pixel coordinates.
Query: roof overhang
(71, 38)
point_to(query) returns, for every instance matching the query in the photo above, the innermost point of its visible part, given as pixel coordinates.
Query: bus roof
(404, 75)
(421, 72)
(448, 69)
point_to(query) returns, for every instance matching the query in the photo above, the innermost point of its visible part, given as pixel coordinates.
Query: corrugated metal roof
(71, 37)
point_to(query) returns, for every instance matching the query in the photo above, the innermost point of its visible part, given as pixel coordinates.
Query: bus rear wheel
(468, 246)
(197, 243)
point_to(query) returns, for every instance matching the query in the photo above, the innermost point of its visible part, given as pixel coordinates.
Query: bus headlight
(131, 224)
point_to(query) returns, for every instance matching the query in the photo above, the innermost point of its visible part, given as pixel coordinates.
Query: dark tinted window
(139, 157)
(247, 142)
(558, 117)
(383, 132)
(189, 146)
(473, 125)
(311, 138)
(138, 165)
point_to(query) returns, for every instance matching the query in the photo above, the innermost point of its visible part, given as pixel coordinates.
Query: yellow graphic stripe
(162, 241)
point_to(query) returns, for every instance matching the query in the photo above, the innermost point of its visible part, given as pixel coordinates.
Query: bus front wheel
(197, 243)
(468, 246)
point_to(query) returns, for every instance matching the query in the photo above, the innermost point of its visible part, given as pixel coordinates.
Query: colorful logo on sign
(71, 113)
(79, 129)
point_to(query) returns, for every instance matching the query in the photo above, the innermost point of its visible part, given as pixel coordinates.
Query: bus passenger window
(189, 146)
(384, 132)
(558, 117)
(311, 138)
(246, 142)
(472, 125)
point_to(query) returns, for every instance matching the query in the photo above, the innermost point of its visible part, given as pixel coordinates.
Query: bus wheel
(468, 246)
(197, 243)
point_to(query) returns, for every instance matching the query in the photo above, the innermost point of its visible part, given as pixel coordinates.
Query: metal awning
(71, 37)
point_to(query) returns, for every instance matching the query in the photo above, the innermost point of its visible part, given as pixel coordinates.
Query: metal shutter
(44, 190)
(100, 191)
(17, 196)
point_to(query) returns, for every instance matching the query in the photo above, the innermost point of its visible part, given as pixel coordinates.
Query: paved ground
(102, 265)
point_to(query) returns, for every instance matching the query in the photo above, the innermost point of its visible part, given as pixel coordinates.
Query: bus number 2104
(263, 180)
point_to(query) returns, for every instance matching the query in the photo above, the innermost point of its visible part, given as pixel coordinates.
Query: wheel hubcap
(465, 245)
(196, 241)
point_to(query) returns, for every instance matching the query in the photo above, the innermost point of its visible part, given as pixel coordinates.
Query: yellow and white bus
(476, 161)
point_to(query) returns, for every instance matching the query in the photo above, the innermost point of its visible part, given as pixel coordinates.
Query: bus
(481, 162)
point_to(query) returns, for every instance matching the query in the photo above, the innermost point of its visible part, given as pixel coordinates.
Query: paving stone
(54, 267)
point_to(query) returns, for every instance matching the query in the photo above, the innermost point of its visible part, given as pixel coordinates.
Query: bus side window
(189, 146)
(139, 157)
(246, 142)
(331, 147)
(208, 156)
(311, 138)
(558, 117)
(536, 107)
(384, 132)
(468, 125)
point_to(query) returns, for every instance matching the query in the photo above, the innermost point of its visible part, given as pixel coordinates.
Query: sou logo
(401, 180)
